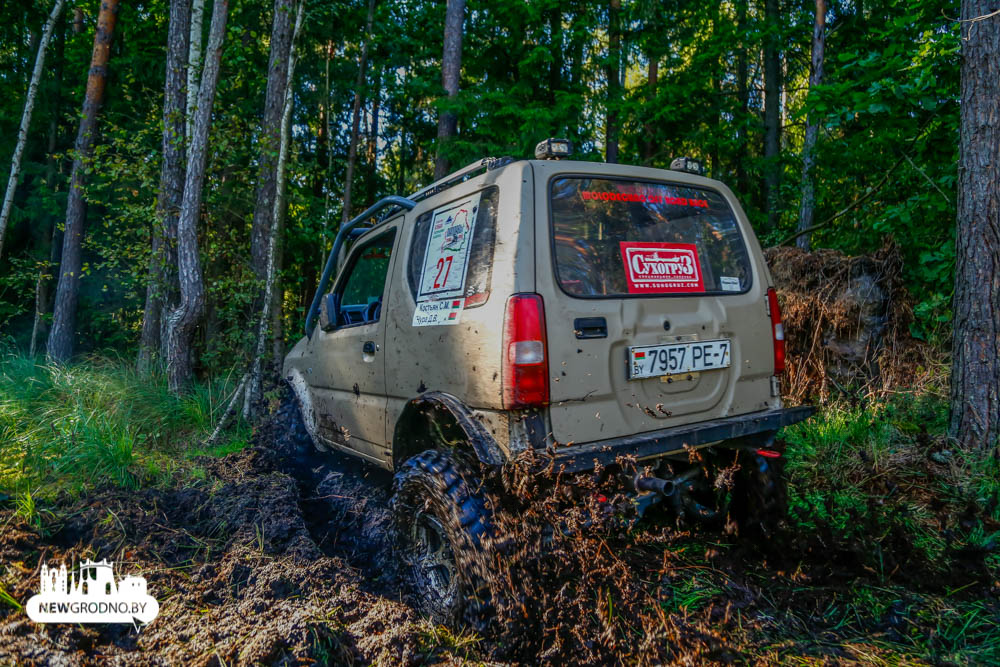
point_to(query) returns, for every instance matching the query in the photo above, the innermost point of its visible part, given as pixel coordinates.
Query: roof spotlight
(553, 149)
(687, 164)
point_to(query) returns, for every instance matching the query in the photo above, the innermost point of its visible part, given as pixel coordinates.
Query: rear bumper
(668, 440)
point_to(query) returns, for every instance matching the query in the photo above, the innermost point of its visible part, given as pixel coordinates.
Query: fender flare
(486, 448)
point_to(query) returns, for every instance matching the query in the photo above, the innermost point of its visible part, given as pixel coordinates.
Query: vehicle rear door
(634, 262)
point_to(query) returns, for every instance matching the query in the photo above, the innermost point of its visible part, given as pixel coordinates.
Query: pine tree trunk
(975, 374)
(277, 71)
(182, 320)
(807, 207)
(772, 103)
(613, 73)
(60, 345)
(197, 19)
(171, 192)
(649, 129)
(252, 405)
(29, 107)
(742, 99)
(352, 150)
(371, 155)
(451, 72)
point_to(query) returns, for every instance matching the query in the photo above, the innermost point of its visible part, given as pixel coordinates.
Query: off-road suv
(588, 311)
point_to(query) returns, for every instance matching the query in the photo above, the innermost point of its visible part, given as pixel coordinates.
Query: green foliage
(98, 422)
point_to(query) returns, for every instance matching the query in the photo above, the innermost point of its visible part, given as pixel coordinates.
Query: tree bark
(808, 204)
(162, 288)
(371, 155)
(29, 107)
(649, 129)
(197, 19)
(742, 99)
(277, 71)
(182, 320)
(772, 103)
(251, 405)
(451, 71)
(60, 344)
(613, 73)
(359, 83)
(975, 374)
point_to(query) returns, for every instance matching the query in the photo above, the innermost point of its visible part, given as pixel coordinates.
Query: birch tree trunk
(451, 71)
(252, 404)
(29, 107)
(60, 345)
(277, 73)
(371, 155)
(975, 373)
(182, 320)
(808, 204)
(162, 261)
(648, 128)
(197, 19)
(352, 151)
(772, 103)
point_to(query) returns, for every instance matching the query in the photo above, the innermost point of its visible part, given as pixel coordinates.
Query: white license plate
(650, 361)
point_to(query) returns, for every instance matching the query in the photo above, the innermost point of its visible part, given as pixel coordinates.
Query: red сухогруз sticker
(661, 268)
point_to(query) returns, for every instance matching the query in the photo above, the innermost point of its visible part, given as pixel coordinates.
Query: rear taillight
(777, 330)
(525, 370)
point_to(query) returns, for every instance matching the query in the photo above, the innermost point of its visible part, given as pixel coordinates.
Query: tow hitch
(679, 491)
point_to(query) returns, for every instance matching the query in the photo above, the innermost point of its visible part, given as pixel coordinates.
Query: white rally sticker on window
(729, 284)
(446, 258)
(441, 311)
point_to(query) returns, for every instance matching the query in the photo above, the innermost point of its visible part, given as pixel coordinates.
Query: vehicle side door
(349, 387)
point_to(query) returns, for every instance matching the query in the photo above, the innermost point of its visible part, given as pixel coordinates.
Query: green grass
(69, 428)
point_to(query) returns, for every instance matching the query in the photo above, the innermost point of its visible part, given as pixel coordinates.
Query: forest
(176, 172)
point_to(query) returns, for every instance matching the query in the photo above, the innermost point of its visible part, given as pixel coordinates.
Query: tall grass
(99, 422)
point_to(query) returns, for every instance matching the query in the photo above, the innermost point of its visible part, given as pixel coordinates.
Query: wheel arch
(299, 389)
(433, 416)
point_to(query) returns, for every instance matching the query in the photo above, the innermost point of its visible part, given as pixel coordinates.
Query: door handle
(590, 327)
(369, 347)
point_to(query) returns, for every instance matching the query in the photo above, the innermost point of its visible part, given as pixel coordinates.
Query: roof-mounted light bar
(688, 165)
(553, 149)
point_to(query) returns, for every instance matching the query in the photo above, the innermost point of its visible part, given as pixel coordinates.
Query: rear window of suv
(633, 238)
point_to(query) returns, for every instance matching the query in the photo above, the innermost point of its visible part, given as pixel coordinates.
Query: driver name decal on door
(440, 299)
(661, 268)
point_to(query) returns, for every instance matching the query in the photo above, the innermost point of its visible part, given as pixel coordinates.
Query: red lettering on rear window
(626, 195)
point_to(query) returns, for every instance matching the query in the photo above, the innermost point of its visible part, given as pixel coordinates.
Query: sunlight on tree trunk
(60, 346)
(182, 320)
(772, 118)
(975, 373)
(162, 288)
(807, 207)
(613, 73)
(29, 107)
(194, 62)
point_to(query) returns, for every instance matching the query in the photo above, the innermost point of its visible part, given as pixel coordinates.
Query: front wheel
(444, 530)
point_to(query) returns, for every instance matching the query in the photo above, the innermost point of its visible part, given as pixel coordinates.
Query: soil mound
(847, 323)
(239, 577)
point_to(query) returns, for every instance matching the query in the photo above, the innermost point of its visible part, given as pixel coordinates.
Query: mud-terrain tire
(759, 498)
(444, 530)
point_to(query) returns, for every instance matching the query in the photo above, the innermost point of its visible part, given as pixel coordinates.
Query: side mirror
(328, 310)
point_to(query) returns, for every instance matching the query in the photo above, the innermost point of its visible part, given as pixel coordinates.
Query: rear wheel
(759, 495)
(444, 530)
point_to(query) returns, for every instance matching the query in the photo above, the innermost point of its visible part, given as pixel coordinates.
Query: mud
(278, 558)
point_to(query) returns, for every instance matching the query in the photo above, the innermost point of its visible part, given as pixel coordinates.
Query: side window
(360, 293)
(480, 271)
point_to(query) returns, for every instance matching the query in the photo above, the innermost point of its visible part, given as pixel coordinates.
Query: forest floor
(889, 555)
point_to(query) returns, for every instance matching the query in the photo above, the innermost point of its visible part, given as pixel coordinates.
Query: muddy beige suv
(585, 310)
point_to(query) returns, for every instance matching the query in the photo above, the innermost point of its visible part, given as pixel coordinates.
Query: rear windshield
(618, 238)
